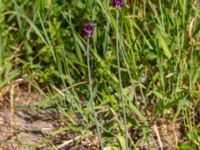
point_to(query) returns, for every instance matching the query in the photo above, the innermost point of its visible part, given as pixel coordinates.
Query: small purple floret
(89, 29)
(118, 3)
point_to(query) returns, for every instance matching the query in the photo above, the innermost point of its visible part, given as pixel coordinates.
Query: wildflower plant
(88, 31)
(119, 4)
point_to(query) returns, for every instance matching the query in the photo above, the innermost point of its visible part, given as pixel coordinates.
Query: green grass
(159, 44)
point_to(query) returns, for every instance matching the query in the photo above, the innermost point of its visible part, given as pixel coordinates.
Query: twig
(155, 129)
(66, 143)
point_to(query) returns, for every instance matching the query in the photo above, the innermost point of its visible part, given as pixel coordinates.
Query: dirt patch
(22, 127)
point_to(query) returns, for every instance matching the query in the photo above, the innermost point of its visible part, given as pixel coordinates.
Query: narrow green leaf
(163, 44)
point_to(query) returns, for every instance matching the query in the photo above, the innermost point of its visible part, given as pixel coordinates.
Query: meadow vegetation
(42, 43)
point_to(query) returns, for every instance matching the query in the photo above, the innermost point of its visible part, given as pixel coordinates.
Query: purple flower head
(89, 29)
(118, 3)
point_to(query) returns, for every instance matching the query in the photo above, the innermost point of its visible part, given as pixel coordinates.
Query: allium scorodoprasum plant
(88, 31)
(119, 4)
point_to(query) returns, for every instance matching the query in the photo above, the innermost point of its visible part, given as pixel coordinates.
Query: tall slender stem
(91, 94)
(1, 54)
(120, 81)
(191, 68)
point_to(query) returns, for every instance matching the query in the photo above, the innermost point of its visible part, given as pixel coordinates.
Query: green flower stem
(91, 94)
(120, 81)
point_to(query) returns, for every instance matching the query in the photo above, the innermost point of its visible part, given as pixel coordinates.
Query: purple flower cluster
(118, 3)
(89, 29)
